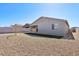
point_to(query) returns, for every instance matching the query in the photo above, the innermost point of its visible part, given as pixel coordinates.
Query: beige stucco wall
(45, 27)
(77, 29)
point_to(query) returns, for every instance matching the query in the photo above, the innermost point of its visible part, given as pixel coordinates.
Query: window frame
(53, 26)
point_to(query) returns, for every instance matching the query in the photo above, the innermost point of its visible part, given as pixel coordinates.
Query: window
(56, 26)
(52, 26)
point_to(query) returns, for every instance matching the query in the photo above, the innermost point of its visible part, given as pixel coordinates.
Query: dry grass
(26, 45)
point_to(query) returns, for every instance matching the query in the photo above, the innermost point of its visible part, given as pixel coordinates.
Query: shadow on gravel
(42, 35)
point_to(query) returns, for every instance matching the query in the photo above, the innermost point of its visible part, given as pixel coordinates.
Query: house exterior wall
(45, 27)
(77, 29)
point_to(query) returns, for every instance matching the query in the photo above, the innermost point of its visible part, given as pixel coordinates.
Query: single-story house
(50, 26)
(75, 29)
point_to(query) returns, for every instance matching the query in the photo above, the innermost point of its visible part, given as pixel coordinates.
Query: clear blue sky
(27, 13)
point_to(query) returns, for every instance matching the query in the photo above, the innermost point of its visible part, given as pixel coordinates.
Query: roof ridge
(52, 18)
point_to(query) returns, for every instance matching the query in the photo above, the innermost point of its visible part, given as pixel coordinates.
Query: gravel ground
(25, 45)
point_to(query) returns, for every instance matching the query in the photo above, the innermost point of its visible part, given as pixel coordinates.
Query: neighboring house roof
(16, 25)
(51, 18)
(26, 25)
(73, 29)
